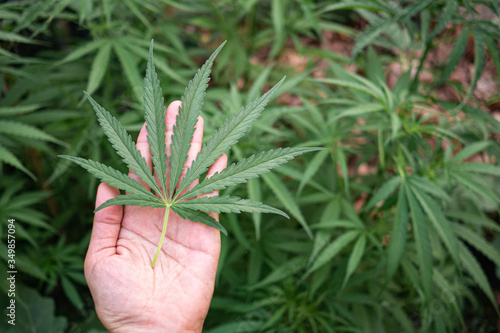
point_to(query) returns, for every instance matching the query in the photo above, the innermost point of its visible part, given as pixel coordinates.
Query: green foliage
(169, 195)
(394, 225)
(37, 313)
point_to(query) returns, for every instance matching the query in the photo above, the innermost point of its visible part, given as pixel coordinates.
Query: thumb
(107, 223)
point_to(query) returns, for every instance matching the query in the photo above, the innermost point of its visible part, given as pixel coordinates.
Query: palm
(128, 293)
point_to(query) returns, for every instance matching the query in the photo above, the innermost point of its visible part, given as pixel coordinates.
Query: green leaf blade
(472, 266)
(227, 135)
(196, 216)
(27, 131)
(436, 216)
(287, 200)
(123, 144)
(7, 157)
(383, 192)
(470, 150)
(312, 168)
(133, 200)
(130, 69)
(227, 204)
(192, 102)
(110, 176)
(155, 122)
(355, 258)
(99, 67)
(421, 235)
(248, 168)
(398, 236)
(331, 250)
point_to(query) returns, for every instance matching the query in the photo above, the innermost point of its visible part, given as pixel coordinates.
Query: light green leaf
(133, 45)
(246, 169)
(370, 34)
(254, 193)
(478, 167)
(374, 67)
(196, 216)
(355, 258)
(436, 216)
(15, 38)
(332, 224)
(278, 19)
(383, 192)
(478, 219)
(30, 14)
(468, 182)
(192, 102)
(332, 250)
(133, 200)
(470, 150)
(227, 135)
(83, 50)
(357, 110)
(130, 69)
(287, 200)
(342, 161)
(350, 213)
(427, 186)
(18, 109)
(110, 176)
(377, 94)
(155, 122)
(27, 131)
(123, 144)
(7, 157)
(313, 167)
(137, 13)
(279, 273)
(258, 84)
(99, 67)
(227, 204)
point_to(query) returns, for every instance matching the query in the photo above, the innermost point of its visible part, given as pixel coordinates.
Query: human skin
(130, 295)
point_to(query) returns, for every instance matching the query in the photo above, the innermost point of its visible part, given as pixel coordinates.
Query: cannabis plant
(169, 190)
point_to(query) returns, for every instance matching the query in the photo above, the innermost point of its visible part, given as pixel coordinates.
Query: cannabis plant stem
(163, 232)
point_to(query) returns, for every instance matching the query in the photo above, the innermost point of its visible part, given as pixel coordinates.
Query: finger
(195, 147)
(170, 119)
(219, 165)
(107, 222)
(193, 151)
(143, 146)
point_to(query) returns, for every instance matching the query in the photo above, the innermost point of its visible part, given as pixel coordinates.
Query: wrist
(170, 327)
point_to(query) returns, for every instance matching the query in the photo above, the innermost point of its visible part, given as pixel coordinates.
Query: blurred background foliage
(394, 226)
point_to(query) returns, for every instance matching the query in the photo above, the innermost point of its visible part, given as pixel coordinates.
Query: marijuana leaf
(168, 189)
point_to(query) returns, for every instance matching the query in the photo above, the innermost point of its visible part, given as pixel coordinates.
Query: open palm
(175, 295)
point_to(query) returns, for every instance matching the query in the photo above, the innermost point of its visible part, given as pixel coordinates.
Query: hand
(175, 295)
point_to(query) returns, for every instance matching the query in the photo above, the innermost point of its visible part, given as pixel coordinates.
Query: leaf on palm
(166, 185)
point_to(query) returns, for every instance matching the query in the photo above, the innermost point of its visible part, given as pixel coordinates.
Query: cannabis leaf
(167, 188)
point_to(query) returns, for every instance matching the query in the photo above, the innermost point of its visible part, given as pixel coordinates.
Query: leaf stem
(163, 232)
